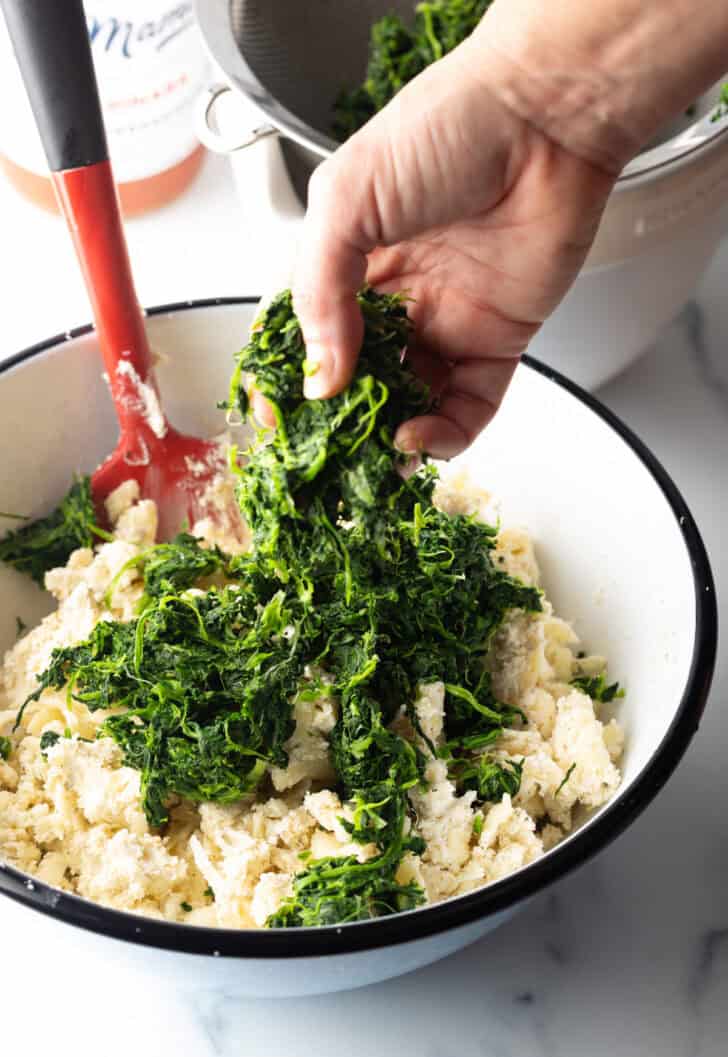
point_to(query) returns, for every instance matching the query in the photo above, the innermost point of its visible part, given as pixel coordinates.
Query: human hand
(483, 220)
(479, 190)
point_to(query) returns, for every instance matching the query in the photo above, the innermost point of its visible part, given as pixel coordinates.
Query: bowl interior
(610, 546)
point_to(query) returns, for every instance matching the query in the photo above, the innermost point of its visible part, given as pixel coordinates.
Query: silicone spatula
(51, 42)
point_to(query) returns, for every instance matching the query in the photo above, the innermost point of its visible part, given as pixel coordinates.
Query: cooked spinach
(353, 570)
(565, 779)
(49, 542)
(174, 566)
(396, 593)
(597, 687)
(332, 891)
(398, 52)
(6, 747)
(490, 778)
(721, 110)
(48, 739)
(205, 682)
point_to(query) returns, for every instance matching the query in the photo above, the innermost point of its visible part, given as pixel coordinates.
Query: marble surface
(629, 956)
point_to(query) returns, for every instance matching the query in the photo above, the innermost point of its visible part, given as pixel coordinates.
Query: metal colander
(293, 57)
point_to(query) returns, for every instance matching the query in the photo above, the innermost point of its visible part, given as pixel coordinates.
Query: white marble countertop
(627, 957)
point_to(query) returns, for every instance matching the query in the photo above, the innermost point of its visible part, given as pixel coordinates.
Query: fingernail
(315, 383)
(407, 442)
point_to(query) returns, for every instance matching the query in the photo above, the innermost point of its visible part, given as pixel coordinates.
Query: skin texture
(479, 190)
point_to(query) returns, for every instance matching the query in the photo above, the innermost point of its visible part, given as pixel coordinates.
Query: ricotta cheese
(71, 815)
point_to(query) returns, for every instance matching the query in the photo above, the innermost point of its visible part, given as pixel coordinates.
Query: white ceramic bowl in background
(281, 65)
(620, 555)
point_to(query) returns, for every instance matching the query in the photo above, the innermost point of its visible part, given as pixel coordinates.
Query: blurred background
(179, 200)
(257, 80)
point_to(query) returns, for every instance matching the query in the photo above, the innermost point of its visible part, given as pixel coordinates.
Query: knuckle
(307, 306)
(322, 186)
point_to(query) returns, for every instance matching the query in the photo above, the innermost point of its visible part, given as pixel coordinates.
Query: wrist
(600, 78)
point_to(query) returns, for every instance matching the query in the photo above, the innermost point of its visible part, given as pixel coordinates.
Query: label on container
(150, 66)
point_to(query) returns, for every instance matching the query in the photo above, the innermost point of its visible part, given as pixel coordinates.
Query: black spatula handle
(51, 42)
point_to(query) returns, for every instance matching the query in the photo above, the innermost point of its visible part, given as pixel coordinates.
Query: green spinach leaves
(353, 570)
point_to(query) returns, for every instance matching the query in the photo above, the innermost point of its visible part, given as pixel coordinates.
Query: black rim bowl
(462, 910)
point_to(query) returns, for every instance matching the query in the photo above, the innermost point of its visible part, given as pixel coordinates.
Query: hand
(479, 190)
(480, 217)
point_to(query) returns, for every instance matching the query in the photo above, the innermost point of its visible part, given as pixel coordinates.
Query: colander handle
(229, 124)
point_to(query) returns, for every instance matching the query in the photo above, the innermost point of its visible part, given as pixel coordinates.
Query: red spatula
(51, 42)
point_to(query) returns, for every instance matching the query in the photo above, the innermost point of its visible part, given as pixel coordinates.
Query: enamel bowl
(620, 555)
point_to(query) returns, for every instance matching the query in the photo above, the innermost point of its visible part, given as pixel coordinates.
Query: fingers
(414, 165)
(429, 368)
(433, 435)
(451, 321)
(330, 269)
(466, 352)
(471, 397)
(261, 408)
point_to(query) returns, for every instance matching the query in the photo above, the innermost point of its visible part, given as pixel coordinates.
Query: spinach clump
(353, 572)
(721, 110)
(204, 682)
(597, 688)
(49, 542)
(48, 739)
(393, 592)
(398, 52)
(489, 778)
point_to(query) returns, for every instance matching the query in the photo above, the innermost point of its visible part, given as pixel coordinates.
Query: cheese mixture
(70, 815)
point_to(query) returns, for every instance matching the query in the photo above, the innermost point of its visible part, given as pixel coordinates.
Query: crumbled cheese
(269, 893)
(508, 840)
(613, 736)
(455, 493)
(539, 707)
(514, 554)
(222, 523)
(430, 711)
(518, 657)
(91, 774)
(138, 524)
(551, 836)
(143, 398)
(71, 816)
(445, 822)
(121, 499)
(578, 739)
(126, 870)
(332, 838)
(308, 746)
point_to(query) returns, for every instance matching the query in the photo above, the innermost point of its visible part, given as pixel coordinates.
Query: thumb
(423, 161)
(330, 268)
(355, 203)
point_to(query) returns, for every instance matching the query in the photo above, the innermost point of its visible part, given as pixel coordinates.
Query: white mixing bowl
(620, 555)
